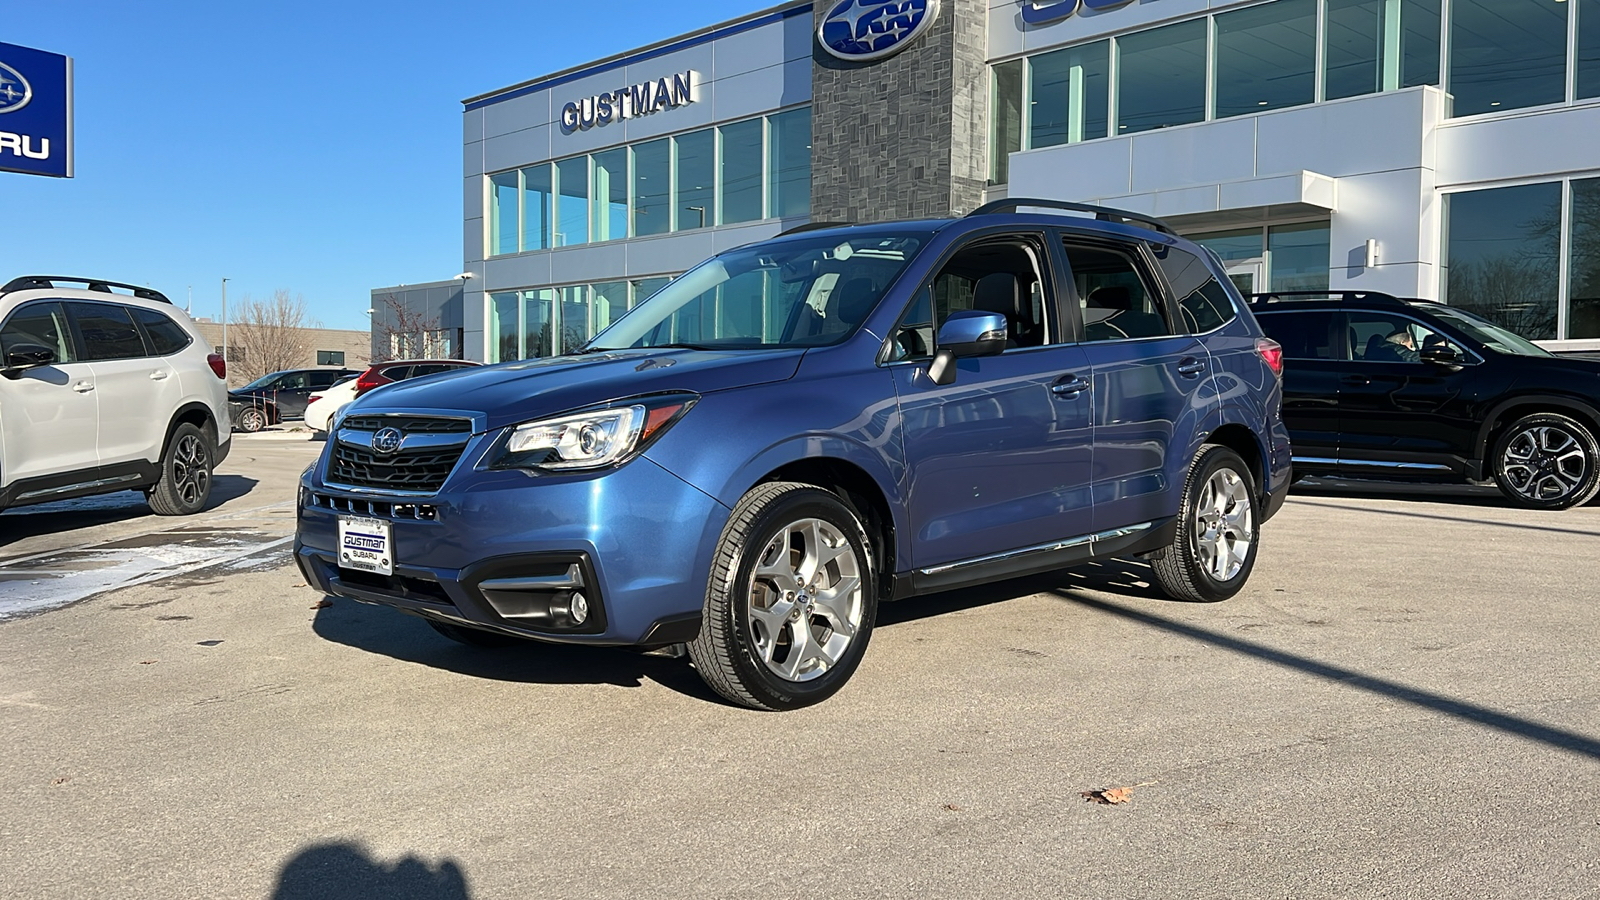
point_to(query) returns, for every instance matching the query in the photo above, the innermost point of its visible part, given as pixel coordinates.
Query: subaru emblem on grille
(387, 440)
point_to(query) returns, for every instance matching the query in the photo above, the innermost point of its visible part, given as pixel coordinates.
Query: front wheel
(185, 483)
(1211, 555)
(252, 420)
(1547, 461)
(791, 601)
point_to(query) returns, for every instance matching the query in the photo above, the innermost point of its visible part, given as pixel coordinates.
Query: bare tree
(404, 333)
(273, 334)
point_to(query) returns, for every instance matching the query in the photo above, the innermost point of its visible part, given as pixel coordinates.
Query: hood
(516, 392)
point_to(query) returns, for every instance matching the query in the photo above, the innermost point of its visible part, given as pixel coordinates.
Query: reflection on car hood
(517, 392)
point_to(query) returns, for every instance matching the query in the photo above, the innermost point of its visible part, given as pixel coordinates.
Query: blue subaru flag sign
(35, 112)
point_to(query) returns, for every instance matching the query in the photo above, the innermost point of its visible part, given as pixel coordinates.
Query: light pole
(224, 322)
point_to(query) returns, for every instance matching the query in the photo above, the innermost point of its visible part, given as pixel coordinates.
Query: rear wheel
(791, 601)
(185, 483)
(474, 637)
(252, 420)
(1547, 461)
(1211, 555)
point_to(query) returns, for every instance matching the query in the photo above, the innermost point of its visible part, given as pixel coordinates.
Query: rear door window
(166, 336)
(1303, 335)
(1116, 302)
(108, 331)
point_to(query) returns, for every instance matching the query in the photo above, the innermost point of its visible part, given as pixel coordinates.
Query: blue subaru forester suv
(753, 458)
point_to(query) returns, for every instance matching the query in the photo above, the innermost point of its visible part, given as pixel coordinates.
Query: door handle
(1356, 380)
(83, 387)
(1190, 367)
(158, 375)
(1069, 386)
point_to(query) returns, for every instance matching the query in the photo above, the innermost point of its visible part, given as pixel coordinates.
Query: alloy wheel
(1224, 525)
(1544, 463)
(805, 600)
(191, 470)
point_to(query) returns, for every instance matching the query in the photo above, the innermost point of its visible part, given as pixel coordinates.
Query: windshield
(795, 293)
(1487, 333)
(259, 383)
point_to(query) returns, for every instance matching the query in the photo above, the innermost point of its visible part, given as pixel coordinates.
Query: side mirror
(27, 356)
(966, 333)
(1441, 355)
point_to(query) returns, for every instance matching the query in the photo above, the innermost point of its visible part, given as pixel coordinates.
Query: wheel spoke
(835, 603)
(786, 577)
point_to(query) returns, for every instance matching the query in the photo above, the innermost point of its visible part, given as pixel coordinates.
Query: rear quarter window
(166, 336)
(1203, 302)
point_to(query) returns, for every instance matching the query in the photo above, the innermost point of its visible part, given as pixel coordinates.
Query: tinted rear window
(108, 331)
(166, 335)
(1304, 335)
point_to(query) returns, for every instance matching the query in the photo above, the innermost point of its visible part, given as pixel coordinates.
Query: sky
(307, 147)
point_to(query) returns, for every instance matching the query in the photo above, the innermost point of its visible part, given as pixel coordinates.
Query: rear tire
(185, 483)
(1546, 461)
(1211, 555)
(475, 637)
(252, 420)
(791, 600)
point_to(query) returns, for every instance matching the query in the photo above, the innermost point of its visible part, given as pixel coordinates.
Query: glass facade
(1583, 260)
(1161, 77)
(1266, 57)
(1005, 119)
(1501, 247)
(1295, 257)
(551, 321)
(1506, 54)
(1069, 93)
(739, 172)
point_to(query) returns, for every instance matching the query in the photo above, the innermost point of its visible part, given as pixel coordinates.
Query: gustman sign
(867, 30)
(1043, 12)
(35, 112)
(631, 102)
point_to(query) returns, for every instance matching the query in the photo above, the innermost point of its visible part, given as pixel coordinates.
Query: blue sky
(314, 147)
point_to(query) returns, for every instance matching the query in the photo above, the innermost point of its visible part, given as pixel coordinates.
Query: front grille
(409, 424)
(383, 509)
(423, 471)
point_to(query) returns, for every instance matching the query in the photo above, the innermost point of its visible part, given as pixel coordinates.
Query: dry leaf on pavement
(1109, 796)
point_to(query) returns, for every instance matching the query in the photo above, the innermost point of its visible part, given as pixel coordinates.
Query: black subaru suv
(1380, 387)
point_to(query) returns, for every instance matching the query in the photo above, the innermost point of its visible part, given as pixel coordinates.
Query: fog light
(579, 609)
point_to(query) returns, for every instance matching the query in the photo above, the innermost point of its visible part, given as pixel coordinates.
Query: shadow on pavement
(1125, 577)
(394, 634)
(1375, 489)
(103, 509)
(345, 871)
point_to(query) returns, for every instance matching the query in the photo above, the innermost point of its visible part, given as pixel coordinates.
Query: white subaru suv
(103, 391)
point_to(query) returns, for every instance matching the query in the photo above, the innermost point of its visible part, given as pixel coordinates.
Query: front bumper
(505, 550)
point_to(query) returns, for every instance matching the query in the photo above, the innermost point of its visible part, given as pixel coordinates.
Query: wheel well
(1510, 414)
(862, 495)
(1239, 439)
(195, 415)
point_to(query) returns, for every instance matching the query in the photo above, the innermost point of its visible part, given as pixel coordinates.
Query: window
(536, 208)
(166, 336)
(1299, 256)
(611, 194)
(1583, 261)
(1384, 337)
(572, 202)
(1203, 302)
(294, 381)
(1588, 60)
(1420, 40)
(1232, 246)
(1380, 45)
(1506, 54)
(1500, 251)
(697, 172)
(643, 288)
(993, 275)
(652, 187)
(1005, 119)
(330, 357)
(610, 302)
(1303, 335)
(1161, 77)
(324, 379)
(574, 317)
(503, 190)
(42, 325)
(1266, 57)
(502, 327)
(741, 172)
(789, 163)
(1070, 92)
(538, 323)
(1115, 302)
(107, 330)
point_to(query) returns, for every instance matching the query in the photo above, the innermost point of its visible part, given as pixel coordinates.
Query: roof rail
(1377, 298)
(813, 226)
(46, 282)
(1102, 213)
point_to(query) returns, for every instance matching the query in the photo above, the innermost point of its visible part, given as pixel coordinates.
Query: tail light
(218, 365)
(1271, 354)
(313, 398)
(370, 379)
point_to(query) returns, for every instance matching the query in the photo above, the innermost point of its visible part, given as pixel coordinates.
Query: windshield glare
(259, 382)
(1487, 333)
(793, 293)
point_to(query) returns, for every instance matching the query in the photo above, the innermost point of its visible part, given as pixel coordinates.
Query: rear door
(1313, 366)
(138, 392)
(1147, 373)
(48, 414)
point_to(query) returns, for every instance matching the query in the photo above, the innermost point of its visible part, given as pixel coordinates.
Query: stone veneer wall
(903, 137)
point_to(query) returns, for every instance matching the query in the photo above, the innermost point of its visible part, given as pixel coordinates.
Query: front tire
(186, 466)
(791, 600)
(1211, 555)
(252, 420)
(1547, 461)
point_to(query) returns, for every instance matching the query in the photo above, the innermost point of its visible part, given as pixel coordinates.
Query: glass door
(1248, 275)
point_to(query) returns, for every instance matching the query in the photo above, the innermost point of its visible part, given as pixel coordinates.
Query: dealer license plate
(366, 544)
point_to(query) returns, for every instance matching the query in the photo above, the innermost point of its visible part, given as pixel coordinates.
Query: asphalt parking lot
(1403, 702)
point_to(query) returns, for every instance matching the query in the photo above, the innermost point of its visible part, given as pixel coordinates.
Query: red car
(383, 373)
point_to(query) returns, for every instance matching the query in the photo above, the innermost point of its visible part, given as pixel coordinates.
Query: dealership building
(1443, 149)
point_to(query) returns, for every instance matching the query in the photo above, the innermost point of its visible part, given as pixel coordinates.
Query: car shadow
(394, 634)
(102, 509)
(343, 870)
(1374, 489)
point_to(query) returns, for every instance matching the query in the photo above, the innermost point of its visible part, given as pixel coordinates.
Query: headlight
(589, 440)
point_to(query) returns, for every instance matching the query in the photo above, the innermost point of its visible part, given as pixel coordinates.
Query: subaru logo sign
(1043, 12)
(865, 30)
(15, 92)
(387, 440)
